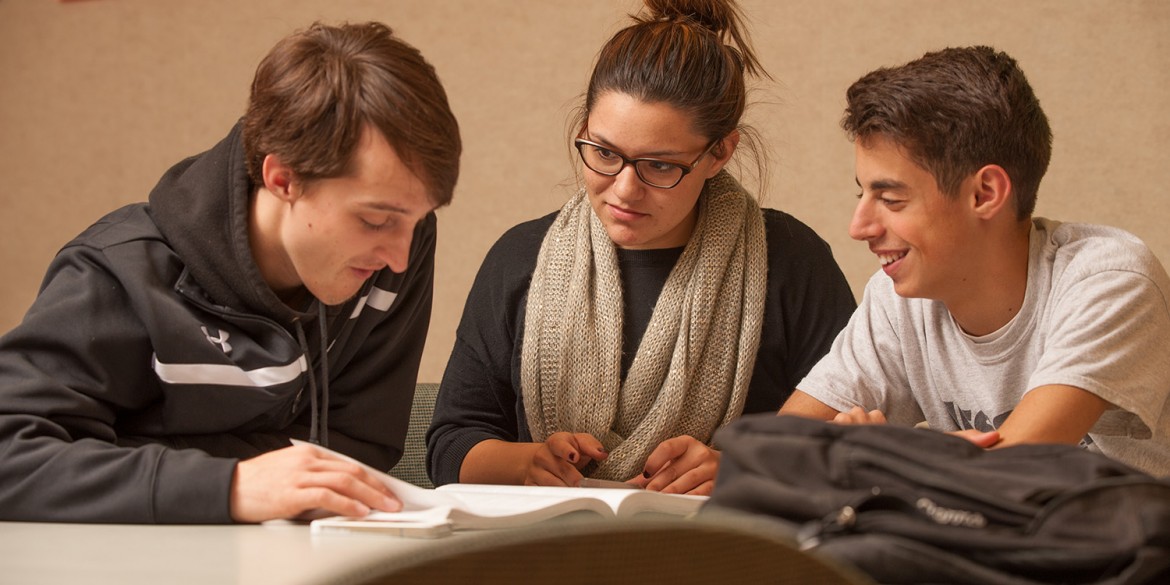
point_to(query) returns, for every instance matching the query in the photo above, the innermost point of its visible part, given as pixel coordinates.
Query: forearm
(50, 478)
(1052, 414)
(471, 412)
(496, 461)
(803, 405)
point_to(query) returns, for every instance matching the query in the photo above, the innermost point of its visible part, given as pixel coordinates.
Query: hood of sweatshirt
(201, 205)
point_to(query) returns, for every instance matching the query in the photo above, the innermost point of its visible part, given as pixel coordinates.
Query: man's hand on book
(559, 459)
(293, 481)
(682, 465)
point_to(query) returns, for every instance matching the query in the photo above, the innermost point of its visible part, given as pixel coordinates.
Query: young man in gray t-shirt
(985, 321)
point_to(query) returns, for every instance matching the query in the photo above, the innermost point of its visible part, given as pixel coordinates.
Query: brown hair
(955, 111)
(677, 53)
(317, 90)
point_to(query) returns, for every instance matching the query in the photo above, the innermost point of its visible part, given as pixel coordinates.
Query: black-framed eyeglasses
(662, 174)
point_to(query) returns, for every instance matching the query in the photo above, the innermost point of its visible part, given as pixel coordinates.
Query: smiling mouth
(890, 258)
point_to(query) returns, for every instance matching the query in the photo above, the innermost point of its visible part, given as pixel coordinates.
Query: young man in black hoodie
(276, 286)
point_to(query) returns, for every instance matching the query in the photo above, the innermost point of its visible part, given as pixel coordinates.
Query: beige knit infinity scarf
(691, 372)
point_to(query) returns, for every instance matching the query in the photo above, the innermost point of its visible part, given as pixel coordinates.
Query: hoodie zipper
(221, 311)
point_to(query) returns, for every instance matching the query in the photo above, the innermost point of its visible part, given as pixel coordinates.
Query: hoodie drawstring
(324, 329)
(319, 417)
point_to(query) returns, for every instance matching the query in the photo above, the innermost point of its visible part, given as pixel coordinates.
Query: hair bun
(716, 15)
(722, 17)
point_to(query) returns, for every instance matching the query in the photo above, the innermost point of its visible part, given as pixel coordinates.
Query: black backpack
(918, 506)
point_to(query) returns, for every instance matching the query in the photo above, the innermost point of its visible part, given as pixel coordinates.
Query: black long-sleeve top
(808, 301)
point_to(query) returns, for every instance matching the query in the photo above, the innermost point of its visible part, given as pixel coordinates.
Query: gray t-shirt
(1096, 316)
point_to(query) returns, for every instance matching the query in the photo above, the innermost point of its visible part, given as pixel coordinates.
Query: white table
(568, 552)
(33, 553)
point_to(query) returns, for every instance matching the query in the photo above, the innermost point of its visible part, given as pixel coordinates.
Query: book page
(499, 497)
(493, 506)
(643, 501)
(497, 501)
(486, 509)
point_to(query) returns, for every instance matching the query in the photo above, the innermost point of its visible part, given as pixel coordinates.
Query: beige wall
(98, 98)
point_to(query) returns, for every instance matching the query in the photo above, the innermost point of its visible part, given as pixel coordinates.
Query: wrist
(497, 461)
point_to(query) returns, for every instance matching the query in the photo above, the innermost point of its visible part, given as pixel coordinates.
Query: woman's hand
(560, 458)
(682, 465)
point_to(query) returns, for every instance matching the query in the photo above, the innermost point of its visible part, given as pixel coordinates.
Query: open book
(435, 512)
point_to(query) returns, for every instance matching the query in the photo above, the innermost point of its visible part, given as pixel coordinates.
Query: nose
(395, 252)
(626, 184)
(864, 226)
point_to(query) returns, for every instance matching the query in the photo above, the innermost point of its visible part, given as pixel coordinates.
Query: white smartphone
(357, 525)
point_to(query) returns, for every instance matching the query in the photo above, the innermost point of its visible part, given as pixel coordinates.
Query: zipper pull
(811, 534)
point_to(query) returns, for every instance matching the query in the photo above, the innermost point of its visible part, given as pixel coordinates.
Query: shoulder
(528, 232)
(501, 284)
(506, 272)
(1077, 251)
(879, 294)
(423, 244)
(883, 307)
(785, 230)
(131, 223)
(125, 242)
(795, 249)
(1070, 238)
(118, 262)
(519, 246)
(789, 238)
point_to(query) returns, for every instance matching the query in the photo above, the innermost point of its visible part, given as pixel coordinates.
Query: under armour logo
(221, 341)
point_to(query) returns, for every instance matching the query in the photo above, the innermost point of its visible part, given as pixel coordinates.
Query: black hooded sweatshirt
(155, 357)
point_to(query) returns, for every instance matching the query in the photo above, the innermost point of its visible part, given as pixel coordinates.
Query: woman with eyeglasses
(613, 338)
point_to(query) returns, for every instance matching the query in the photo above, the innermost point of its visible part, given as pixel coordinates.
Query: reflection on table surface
(570, 550)
(126, 554)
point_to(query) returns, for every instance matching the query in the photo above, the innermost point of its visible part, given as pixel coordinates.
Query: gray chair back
(413, 465)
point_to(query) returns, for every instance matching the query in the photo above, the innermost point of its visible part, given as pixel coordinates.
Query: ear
(721, 153)
(993, 192)
(279, 178)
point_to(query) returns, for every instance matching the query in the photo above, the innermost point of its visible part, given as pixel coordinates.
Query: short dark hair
(317, 90)
(955, 111)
